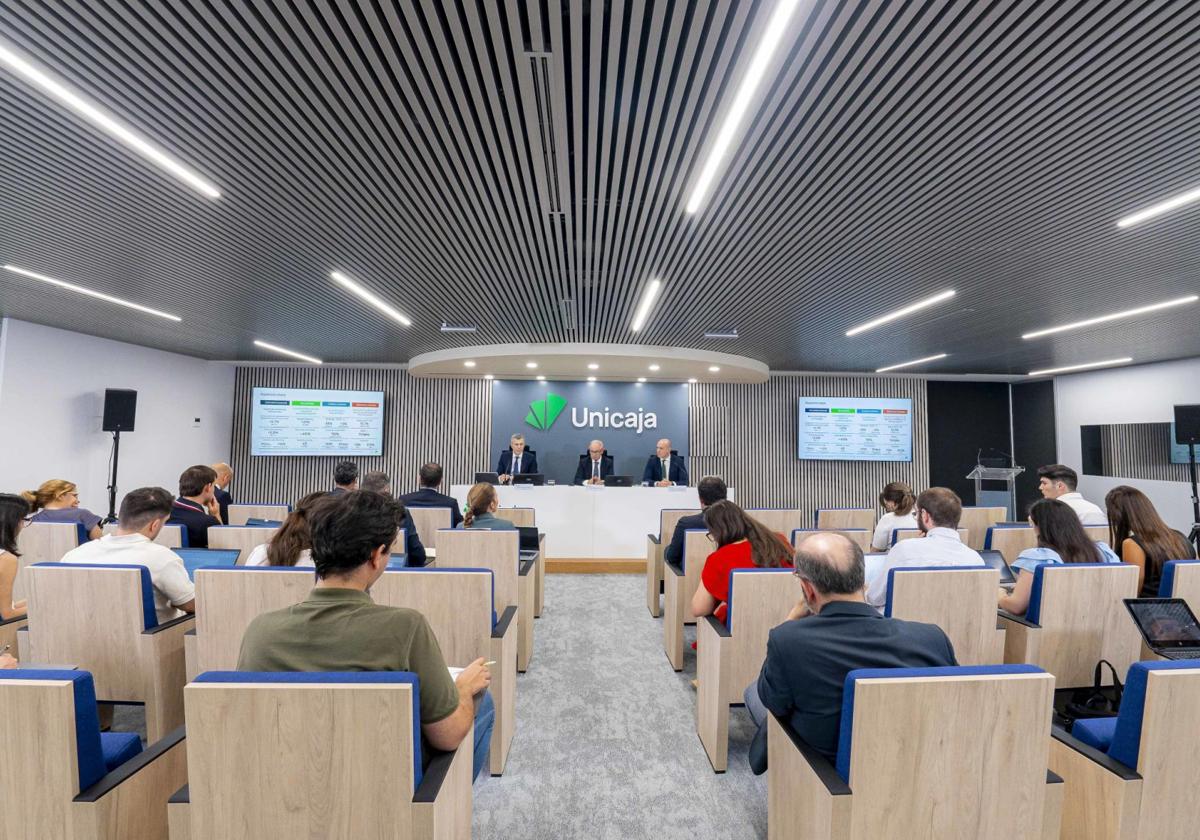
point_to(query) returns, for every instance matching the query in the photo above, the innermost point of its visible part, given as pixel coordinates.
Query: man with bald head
(664, 469)
(831, 632)
(595, 466)
(220, 489)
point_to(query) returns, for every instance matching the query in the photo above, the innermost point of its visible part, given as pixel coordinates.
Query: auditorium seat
(1135, 775)
(1181, 579)
(61, 777)
(1076, 617)
(934, 753)
(522, 517)
(245, 538)
(668, 518)
(1097, 533)
(427, 521)
(962, 601)
(680, 581)
(101, 618)
(172, 536)
(241, 514)
(300, 728)
(730, 654)
(977, 520)
(915, 533)
(859, 536)
(780, 520)
(41, 542)
(835, 519)
(1010, 540)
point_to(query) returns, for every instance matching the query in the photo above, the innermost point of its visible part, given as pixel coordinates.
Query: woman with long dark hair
(1060, 539)
(742, 543)
(292, 543)
(1142, 538)
(899, 506)
(13, 510)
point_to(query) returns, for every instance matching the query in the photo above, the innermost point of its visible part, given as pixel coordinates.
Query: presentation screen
(846, 429)
(1179, 451)
(301, 421)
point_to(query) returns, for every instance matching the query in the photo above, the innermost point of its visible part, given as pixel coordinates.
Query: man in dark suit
(664, 469)
(224, 500)
(428, 495)
(711, 490)
(830, 633)
(516, 461)
(595, 466)
(196, 507)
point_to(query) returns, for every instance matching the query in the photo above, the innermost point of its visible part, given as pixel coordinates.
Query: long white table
(594, 521)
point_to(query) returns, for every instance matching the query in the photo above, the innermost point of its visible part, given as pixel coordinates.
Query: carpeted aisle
(606, 744)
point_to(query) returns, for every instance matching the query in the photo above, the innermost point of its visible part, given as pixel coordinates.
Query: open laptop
(487, 478)
(1008, 578)
(528, 540)
(1168, 626)
(529, 478)
(618, 481)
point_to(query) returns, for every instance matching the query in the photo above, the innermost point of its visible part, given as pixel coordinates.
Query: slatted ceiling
(484, 161)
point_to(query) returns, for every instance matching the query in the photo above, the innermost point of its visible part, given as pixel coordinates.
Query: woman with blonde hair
(480, 512)
(57, 500)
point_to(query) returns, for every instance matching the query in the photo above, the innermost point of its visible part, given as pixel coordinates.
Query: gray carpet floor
(606, 743)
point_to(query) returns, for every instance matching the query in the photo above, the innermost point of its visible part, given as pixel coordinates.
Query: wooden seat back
(522, 517)
(833, 519)
(42, 542)
(858, 536)
(245, 538)
(962, 601)
(977, 520)
(427, 521)
(238, 514)
(463, 548)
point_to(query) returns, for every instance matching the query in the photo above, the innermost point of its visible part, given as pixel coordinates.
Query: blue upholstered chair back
(1034, 612)
(1166, 585)
(149, 616)
(335, 678)
(199, 558)
(846, 730)
(732, 573)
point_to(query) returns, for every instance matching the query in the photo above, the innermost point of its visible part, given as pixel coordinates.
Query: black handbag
(1099, 700)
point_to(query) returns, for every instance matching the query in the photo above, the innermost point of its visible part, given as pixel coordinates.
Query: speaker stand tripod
(112, 480)
(1194, 536)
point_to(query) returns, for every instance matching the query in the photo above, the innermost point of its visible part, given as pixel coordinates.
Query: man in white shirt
(1058, 481)
(143, 513)
(938, 511)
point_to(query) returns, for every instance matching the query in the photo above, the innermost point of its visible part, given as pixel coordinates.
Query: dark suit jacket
(808, 659)
(414, 552)
(673, 553)
(653, 472)
(584, 471)
(224, 500)
(429, 497)
(528, 462)
(197, 522)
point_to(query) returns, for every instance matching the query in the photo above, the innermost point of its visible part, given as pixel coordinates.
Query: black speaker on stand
(120, 408)
(1187, 430)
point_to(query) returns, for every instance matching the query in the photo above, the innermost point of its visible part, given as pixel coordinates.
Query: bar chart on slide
(293, 421)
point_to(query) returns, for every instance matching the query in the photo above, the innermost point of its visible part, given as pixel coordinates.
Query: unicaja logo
(543, 413)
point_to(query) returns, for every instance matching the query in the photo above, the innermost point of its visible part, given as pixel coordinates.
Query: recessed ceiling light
(692, 381)
(468, 363)
(81, 290)
(913, 362)
(531, 365)
(1116, 316)
(713, 369)
(654, 367)
(447, 327)
(593, 366)
(541, 378)
(772, 34)
(641, 379)
(591, 379)
(900, 313)
(1181, 200)
(277, 349)
(370, 297)
(103, 121)
(1068, 368)
(643, 310)
(488, 376)
(726, 333)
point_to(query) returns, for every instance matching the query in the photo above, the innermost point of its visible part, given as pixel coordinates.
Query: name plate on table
(524, 488)
(679, 488)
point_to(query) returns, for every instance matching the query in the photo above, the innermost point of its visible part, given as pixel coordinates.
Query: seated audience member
(292, 543)
(711, 490)
(1141, 537)
(1060, 539)
(339, 628)
(938, 511)
(830, 633)
(428, 495)
(13, 510)
(664, 469)
(196, 508)
(742, 543)
(515, 460)
(345, 478)
(220, 490)
(898, 502)
(143, 513)
(377, 481)
(58, 501)
(1058, 481)
(482, 503)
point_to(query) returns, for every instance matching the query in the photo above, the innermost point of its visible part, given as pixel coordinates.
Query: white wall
(1138, 394)
(52, 398)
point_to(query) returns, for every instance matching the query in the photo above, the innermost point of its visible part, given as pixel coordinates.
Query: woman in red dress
(742, 543)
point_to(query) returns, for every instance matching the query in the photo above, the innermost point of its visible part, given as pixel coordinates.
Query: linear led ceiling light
(900, 313)
(643, 310)
(1181, 200)
(1116, 316)
(1088, 366)
(912, 363)
(276, 349)
(103, 121)
(725, 333)
(370, 297)
(72, 287)
(772, 35)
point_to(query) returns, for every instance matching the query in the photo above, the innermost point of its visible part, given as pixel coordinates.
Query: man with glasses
(595, 466)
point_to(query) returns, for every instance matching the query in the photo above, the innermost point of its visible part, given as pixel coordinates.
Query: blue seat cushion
(1034, 613)
(149, 614)
(1096, 732)
(1127, 735)
(336, 677)
(846, 730)
(118, 747)
(89, 754)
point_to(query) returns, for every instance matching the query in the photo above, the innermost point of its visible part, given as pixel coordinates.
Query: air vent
(567, 307)
(540, 68)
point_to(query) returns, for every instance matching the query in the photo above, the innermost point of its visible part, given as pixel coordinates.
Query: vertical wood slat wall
(1140, 451)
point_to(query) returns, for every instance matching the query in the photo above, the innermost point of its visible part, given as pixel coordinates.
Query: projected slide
(296, 421)
(843, 429)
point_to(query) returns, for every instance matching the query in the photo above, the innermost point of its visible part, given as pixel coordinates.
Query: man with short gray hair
(595, 466)
(516, 460)
(831, 632)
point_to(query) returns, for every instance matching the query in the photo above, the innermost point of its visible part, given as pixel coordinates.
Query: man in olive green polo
(339, 628)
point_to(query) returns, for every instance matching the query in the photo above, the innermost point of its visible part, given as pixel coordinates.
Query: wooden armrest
(506, 618)
(435, 775)
(14, 619)
(109, 782)
(825, 772)
(1088, 751)
(1015, 619)
(673, 567)
(717, 626)
(657, 540)
(1053, 778)
(442, 802)
(183, 796)
(526, 567)
(170, 625)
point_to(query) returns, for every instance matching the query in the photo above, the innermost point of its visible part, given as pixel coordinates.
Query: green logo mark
(543, 413)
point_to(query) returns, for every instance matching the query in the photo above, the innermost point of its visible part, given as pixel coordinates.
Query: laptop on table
(487, 478)
(993, 558)
(1168, 626)
(529, 545)
(537, 479)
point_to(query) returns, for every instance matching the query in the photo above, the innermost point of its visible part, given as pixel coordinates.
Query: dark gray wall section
(965, 417)
(1033, 436)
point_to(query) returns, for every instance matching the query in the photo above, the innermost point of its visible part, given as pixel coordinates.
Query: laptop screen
(996, 560)
(1165, 622)
(529, 538)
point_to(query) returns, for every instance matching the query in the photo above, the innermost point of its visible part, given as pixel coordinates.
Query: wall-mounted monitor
(854, 429)
(304, 421)
(1179, 451)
